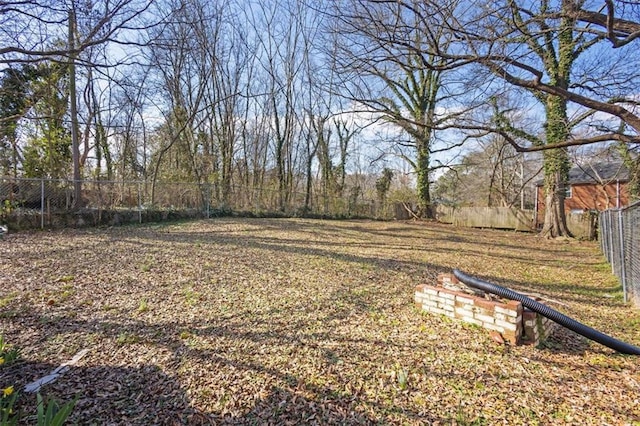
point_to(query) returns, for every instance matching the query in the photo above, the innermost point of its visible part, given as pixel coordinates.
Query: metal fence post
(622, 255)
(632, 238)
(611, 247)
(602, 233)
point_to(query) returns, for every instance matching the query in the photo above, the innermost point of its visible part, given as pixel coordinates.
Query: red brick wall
(588, 197)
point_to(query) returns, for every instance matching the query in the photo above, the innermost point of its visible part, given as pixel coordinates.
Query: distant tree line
(315, 97)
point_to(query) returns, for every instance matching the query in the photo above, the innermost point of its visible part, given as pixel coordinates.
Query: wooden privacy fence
(581, 225)
(486, 217)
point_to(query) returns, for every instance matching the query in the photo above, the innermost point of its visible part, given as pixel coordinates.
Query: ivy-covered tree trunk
(422, 180)
(634, 179)
(556, 169)
(557, 130)
(401, 75)
(555, 221)
(632, 163)
(419, 95)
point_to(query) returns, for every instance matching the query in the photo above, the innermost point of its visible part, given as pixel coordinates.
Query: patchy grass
(269, 321)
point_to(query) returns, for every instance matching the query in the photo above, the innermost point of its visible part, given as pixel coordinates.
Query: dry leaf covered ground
(288, 321)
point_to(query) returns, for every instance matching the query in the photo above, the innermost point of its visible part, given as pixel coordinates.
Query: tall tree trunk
(556, 169)
(73, 111)
(311, 152)
(633, 166)
(555, 221)
(281, 174)
(556, 161)
(423, 185)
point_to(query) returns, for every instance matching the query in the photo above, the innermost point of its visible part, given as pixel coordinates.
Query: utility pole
(73, 110)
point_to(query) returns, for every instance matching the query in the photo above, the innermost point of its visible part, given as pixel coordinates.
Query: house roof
(610, 171)
(599, 172)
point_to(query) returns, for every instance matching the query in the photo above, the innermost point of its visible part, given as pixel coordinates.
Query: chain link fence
(620, 242)
(43, 202)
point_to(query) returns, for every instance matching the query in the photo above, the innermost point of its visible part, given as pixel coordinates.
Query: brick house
(593, 187)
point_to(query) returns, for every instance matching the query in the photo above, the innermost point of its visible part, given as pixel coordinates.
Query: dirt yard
(287, 321)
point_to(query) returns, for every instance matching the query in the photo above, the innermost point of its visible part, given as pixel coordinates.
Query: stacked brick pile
(515, 324)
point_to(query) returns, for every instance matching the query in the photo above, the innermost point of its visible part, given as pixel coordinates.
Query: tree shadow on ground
(106, 394)
(143, 393)
(336, 250)
(146, 395)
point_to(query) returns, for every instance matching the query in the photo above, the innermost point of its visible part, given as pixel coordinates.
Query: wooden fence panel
(487, 217)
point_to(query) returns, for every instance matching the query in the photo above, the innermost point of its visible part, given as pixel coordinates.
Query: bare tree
(493, 175)
(31, 30)
(548, 50)
(69, 33)
(386, 57)
(280, 26)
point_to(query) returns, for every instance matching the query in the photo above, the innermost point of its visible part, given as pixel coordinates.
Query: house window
(567, 191)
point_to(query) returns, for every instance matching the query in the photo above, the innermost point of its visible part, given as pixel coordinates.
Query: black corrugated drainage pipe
(571, 324)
